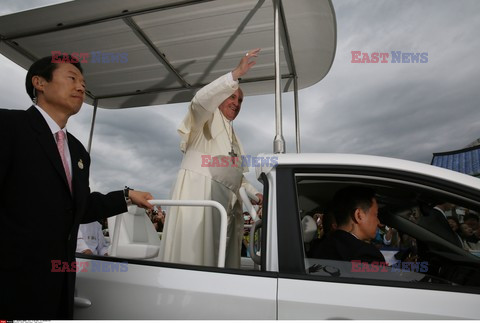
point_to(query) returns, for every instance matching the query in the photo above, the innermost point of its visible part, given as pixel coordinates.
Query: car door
(323, 289)
(112, 288)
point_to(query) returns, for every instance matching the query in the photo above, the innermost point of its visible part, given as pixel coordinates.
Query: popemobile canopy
(150, 52)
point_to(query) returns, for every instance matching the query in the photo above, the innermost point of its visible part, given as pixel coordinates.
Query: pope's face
(231, 106)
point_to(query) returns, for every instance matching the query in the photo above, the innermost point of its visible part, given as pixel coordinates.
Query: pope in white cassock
(208, 172)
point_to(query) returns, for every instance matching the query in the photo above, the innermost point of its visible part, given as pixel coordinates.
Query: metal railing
(223, 221)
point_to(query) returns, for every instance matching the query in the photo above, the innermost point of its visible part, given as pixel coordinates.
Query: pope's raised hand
(245, 64)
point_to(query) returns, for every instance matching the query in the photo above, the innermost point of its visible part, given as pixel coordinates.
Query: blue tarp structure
(466, 161)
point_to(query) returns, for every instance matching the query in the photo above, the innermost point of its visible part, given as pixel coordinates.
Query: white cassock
(191, 234)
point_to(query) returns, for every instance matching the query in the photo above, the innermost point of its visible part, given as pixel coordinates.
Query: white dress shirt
(54, 128)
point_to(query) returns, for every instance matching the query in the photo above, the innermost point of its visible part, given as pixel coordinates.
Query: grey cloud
(407, 111)
(139, 146)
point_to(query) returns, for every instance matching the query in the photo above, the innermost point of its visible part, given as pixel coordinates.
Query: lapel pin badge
(80, 164)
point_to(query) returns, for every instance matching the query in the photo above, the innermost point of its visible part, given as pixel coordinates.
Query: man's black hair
(350, 198)
(44, 67)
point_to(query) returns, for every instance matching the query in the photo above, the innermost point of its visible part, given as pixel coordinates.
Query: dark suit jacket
(341, 245)
(39, 217)
(436, 222)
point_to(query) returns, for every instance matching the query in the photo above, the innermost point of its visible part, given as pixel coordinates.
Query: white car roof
(386, 163)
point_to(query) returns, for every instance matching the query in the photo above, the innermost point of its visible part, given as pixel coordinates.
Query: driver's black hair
(350, 198)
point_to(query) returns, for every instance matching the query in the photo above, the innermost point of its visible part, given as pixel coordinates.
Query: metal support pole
(297, 116)
(95, 104)
(279, 141)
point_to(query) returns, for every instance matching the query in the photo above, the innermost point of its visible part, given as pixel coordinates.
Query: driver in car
(355, 209)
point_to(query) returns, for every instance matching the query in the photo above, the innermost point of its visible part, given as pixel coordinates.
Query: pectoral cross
(233, 155)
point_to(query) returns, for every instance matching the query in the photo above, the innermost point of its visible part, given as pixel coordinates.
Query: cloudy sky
(404, 111)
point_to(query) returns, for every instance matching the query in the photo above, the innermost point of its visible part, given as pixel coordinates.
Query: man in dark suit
(45, 195)
(436, 221)
(355, 209)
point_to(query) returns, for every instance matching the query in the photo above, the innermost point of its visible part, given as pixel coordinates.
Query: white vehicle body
(156, 290)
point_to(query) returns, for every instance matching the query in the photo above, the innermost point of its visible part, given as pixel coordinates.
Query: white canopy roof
(168, 49)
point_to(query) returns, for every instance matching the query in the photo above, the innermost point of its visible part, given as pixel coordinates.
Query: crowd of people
(467, 228)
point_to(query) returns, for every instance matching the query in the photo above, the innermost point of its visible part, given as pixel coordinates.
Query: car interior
(401, 206)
